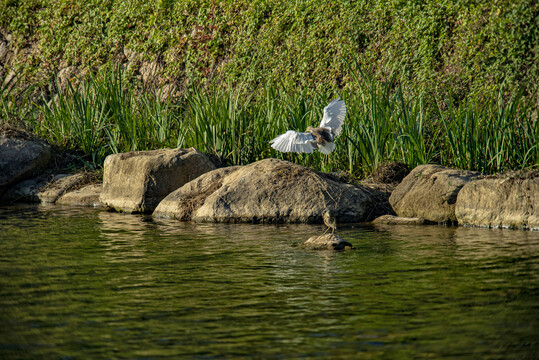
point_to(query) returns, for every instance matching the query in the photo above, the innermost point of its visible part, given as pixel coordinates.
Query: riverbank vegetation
(101, 115)
(451, 82)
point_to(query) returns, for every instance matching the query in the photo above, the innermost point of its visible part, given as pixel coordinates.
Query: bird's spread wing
(293, 141)
(334, 115)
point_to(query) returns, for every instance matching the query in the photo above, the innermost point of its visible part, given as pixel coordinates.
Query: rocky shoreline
(184, 184)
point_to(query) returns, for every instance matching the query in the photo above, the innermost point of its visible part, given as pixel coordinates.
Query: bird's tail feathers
(327, 148)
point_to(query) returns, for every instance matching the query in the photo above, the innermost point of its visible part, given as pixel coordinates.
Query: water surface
(88, 284)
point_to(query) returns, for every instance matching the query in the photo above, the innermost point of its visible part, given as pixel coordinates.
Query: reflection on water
(122, 236)
(78, 283)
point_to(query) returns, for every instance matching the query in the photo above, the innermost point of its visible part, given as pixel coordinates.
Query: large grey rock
(86, 196)
(181, 203)
(269, 190)
(327, 242)
(20, 159)
(430, 192)
(507, 202)
(137, 181)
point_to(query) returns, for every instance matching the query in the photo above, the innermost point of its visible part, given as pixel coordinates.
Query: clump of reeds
(100, 115)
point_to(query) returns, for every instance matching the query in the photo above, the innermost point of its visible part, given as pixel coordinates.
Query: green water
(88, 284)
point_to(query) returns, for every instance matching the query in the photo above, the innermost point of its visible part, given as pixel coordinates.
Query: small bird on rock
(321, 138)
(330, 221)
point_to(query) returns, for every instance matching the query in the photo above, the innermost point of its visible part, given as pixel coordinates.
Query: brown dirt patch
(11, 132)
(339, 177)
(516, 174)
(191, 202)
(285, 174)
(88, 178)
(390, 173)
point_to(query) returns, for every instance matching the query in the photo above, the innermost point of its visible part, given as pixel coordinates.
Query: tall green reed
(236, 126)
(217, 122)
(76, 119)
(384, 125)
(102, 115)
(492, 136)
(105, 114)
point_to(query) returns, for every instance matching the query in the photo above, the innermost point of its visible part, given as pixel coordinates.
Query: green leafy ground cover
(468, 47)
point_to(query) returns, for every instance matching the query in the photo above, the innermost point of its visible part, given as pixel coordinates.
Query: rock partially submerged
(185, 185)
(50, 189)
(327, 242)
(85, 196)
(269, 190)
(61, 185)
(430, 192)
(20, 159)
(136, 182)
(27, 190)
(181, 203)
(397, 220)
(505, 202)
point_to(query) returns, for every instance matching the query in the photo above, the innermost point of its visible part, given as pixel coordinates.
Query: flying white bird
(320, 138)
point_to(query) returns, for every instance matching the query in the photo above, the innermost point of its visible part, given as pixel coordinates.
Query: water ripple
(77, 283)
